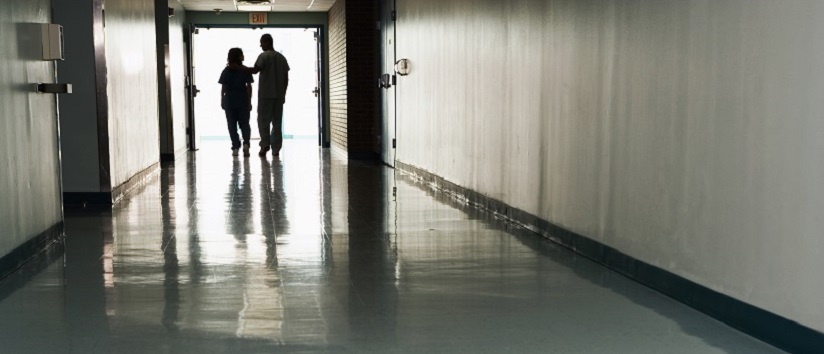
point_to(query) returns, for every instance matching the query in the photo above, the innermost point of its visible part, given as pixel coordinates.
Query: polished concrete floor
(311, 253)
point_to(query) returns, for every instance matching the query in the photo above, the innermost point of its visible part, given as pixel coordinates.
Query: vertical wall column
(84, 116)
(110, 122)
(170, 17)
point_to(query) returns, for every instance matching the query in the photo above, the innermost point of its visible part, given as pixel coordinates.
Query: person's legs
(231, 123)
(277, 127)
(245, 130)
(265, 110)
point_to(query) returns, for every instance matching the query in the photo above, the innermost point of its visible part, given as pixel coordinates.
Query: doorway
(388, 82)
(302, 118)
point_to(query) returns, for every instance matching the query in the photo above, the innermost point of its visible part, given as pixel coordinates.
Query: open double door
(206, 56)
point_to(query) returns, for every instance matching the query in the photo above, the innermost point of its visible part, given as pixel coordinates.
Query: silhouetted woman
(236, 100)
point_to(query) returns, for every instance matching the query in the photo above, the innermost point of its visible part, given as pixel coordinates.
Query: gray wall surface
(686, 134)
(132, 89)
(78, 111)
(30, 200)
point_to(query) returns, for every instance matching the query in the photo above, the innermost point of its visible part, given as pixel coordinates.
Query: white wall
(686, 134)
(132, 88)
(30, 200)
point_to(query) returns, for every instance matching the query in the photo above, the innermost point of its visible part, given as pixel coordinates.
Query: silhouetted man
(272, 83)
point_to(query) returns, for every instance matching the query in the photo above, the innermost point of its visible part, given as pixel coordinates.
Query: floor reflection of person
(273, 218)
(236, 100)
(266, 221)
(239, 220)
(171, 263)
(279, 198)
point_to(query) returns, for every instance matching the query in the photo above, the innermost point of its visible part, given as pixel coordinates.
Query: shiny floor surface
(310, 253)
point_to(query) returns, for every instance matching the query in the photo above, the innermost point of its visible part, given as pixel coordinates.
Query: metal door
(387, 81)
(191, 89)
(319, 88)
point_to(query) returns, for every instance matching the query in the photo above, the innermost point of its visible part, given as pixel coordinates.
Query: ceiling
(278, 6)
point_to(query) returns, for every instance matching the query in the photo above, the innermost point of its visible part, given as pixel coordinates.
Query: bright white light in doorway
(300, 113)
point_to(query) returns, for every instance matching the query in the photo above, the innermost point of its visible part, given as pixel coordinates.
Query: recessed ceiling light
(254, 7)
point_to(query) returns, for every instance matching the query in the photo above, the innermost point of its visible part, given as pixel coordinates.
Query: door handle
(53, 88)
(316, 91)
(385, 81)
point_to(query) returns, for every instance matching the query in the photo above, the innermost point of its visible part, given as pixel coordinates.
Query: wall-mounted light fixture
(254, 5)
(52, 41)
(402, 67)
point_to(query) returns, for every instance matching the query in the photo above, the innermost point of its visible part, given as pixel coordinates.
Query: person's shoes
(263, 151)
(245, 149)
(234, 152)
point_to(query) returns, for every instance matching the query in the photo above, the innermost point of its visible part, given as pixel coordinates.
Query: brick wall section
(353, 56)
(337, 74)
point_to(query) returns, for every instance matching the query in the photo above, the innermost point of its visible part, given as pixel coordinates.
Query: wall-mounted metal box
(52, 39)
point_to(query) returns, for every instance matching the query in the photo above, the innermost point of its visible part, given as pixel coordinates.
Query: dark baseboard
(138, 180)
(362, 155)
(98, 200)
(86, 199)
(759, 323)
(172, 157)
(21, 277)
(31, 249)
(354, 154)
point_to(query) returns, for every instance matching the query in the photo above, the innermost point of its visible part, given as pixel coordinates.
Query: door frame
(389, 95)
(191, 90)
(323, 103)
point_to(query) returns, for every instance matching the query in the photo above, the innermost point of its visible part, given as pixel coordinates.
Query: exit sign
(258, 18)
